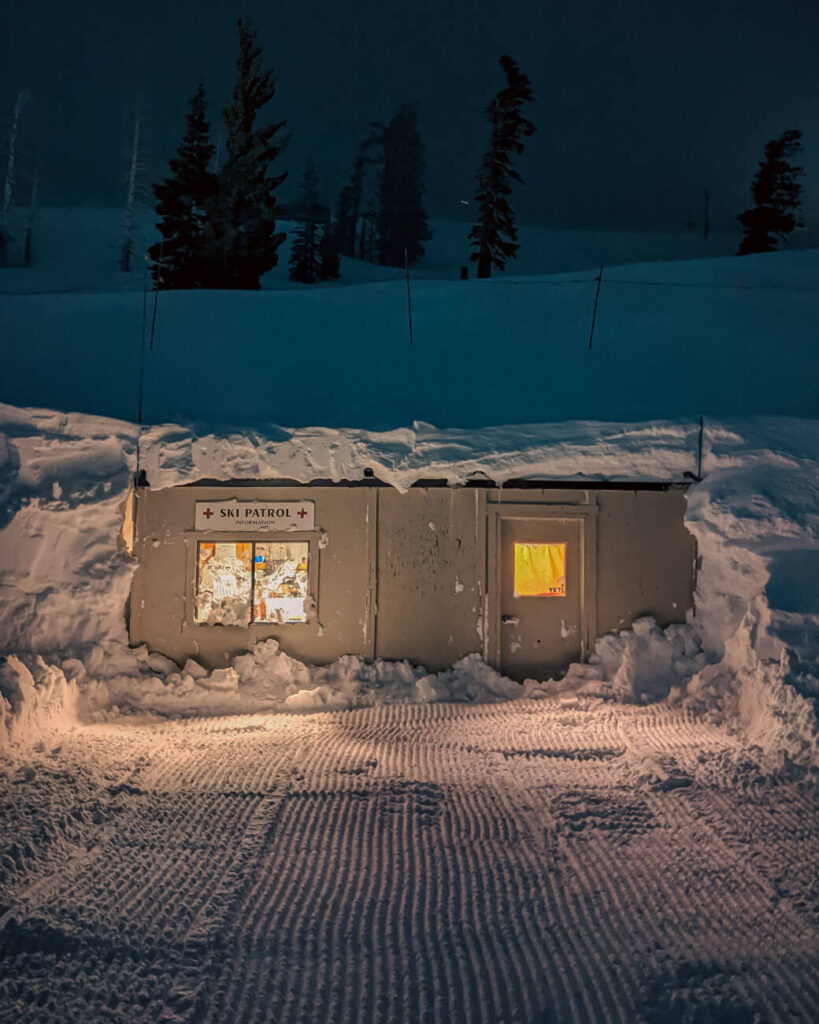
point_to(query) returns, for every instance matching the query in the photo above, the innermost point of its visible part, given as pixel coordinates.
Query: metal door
(542, 579)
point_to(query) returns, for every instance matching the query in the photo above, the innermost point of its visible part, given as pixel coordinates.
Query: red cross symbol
(207, 513)
(302, 512)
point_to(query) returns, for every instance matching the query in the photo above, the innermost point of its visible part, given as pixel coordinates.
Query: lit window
(223, 583)
(238, 583)
(280, 582)
(540, 570)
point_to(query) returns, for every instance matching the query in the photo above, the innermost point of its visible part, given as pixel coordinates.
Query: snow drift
(748, 656)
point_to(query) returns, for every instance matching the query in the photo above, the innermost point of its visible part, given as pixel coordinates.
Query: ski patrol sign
(256, 516)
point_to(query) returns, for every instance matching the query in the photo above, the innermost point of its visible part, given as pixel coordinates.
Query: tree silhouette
(494, 236)
(304, 255)
(185, 204)
(776, 194)
(244, 224)
(402, 223)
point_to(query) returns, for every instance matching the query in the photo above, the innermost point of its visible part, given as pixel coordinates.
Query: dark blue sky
(640, 104)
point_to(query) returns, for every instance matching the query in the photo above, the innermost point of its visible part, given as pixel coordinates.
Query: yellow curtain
(540, 570)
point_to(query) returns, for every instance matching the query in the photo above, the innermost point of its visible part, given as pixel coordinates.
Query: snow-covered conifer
(776, 194)
(329, 254)
(372, 149)
(357, 209)
(349, 204)
(244, 222)
(402, 223)
(494, 236)
(185, 205)
(304, 255)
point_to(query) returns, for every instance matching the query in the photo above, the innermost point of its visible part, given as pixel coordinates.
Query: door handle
(510, 620)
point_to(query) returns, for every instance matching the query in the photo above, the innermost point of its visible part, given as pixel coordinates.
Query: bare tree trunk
(216, 162)
(129, 217)
(8, 185)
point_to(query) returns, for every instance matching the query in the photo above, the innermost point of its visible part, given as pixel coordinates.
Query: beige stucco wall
(645, 558)
(405, 575)
(430, 589)
(163, 581)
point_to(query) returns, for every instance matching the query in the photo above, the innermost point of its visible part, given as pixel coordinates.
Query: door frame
(586, 517)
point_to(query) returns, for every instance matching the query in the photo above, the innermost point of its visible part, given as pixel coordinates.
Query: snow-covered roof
(45, 452)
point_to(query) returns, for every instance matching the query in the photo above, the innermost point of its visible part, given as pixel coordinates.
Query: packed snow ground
(564, 860)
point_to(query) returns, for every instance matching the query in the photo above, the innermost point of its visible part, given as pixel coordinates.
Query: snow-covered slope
(720, 337)
(77, 249)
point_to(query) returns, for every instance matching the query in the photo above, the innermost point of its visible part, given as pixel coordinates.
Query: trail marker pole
(696, 477)
(142, 351)
(409, 295)
(156, 292)
(141, 392)
(599, 280)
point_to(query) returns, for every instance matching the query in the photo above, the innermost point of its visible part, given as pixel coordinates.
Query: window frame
(195, 538)
(264, 622)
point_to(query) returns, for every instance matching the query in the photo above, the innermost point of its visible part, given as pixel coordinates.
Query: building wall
(164, 580)
(406, 575)
(430, 591)
(645, 558)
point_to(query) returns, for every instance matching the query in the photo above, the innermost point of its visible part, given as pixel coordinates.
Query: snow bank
(35, 699)
(748, 657)
(756, 520)
(63, 481)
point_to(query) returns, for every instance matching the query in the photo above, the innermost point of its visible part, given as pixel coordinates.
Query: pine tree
(185, 204)
(244, 222)
(402, 223)
(329, 254)
(776, 194)
(304, 256)
(349, 205)
(494, 237)
(372, 152)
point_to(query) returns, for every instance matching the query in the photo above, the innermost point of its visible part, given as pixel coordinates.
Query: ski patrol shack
(527, 574)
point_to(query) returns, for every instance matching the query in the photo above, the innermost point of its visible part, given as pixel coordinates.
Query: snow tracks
(528, 862)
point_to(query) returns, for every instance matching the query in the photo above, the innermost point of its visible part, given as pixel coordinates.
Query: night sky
(640, 104)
